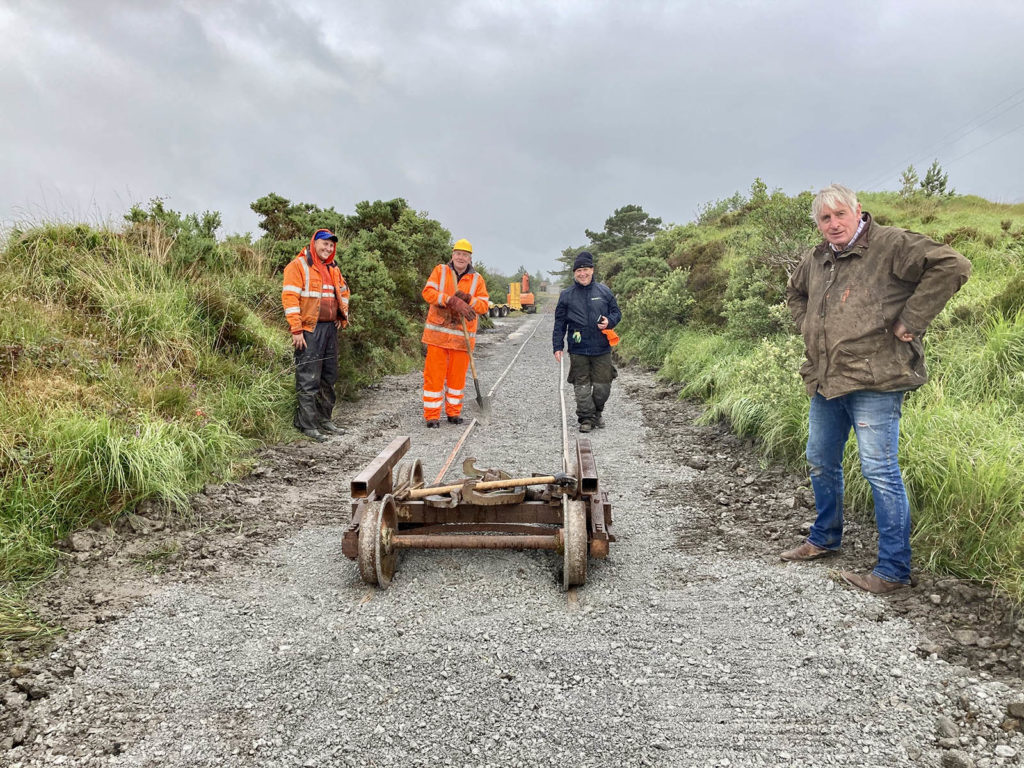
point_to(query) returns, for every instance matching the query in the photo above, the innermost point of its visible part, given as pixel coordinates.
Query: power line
(955, 135)
(997, 138)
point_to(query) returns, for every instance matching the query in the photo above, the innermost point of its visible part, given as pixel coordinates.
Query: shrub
(755, 302)
(707, 280)
(632, 272)
(784, 230)
(663, 304)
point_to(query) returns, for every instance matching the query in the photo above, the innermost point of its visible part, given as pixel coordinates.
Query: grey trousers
(591, 379)
(316, 371)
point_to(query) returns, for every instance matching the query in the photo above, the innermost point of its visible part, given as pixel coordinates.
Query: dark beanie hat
(584, 259)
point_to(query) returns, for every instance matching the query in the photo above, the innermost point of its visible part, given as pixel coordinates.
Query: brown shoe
(871, 583)
(806, 551)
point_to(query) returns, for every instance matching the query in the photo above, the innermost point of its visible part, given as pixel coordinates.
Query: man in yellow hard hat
(456, 295)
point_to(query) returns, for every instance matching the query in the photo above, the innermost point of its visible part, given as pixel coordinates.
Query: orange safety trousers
(444, 381)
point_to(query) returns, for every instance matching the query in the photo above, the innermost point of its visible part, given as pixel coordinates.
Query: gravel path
(675, 652)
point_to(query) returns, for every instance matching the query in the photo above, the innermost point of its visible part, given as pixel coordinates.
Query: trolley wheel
(377, 558)
(408, 475)
(574, 532)
(491, 311)
(504, 311)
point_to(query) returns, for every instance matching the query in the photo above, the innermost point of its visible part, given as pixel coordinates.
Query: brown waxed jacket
(846, 305)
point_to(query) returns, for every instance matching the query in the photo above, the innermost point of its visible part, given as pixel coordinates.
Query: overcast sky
(515, 124)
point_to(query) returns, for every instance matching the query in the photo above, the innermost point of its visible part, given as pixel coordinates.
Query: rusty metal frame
(534, 523)
(375, 480)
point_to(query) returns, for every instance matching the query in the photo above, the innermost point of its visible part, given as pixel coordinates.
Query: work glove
(459, 306)
(464, 296)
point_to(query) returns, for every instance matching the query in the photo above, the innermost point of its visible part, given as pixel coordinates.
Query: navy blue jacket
(579, 310)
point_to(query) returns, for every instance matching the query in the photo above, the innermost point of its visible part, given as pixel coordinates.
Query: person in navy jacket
(586, 314)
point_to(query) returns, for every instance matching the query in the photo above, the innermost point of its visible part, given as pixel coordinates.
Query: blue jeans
(875, 418)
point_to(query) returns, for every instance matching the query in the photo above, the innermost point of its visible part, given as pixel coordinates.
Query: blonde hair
(833, 196)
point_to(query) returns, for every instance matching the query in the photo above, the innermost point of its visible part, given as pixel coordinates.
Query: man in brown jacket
(863, 300)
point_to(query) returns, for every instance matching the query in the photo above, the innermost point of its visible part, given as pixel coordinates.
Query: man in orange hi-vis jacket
(315, 300)
(456, 295)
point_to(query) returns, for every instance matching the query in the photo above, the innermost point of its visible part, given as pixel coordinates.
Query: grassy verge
(136, 366)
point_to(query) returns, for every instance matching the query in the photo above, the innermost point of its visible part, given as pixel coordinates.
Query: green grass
(135, 366)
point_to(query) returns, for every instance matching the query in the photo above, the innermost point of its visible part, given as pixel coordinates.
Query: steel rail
(474, 422)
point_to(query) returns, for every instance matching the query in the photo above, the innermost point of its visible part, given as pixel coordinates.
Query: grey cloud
(515, 124)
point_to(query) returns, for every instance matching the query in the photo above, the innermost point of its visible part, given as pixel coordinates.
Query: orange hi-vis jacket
(444, 327)
(304, 287)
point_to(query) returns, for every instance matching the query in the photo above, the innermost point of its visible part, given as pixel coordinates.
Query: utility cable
(990, 141)
(954, 136)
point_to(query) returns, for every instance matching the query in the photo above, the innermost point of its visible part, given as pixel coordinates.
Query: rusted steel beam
(586, 467)
(526, 512)
(376, 478)
(474, 541)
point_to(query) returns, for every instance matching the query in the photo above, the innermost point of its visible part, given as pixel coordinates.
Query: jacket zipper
(824, 297)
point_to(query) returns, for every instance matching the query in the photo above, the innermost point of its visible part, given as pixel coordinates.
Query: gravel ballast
(680, 650)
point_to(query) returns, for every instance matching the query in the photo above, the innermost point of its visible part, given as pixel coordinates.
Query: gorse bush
(754, 301)
(707, 278)
(665, 303)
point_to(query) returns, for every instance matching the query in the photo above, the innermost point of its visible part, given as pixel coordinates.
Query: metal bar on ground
(455, 451)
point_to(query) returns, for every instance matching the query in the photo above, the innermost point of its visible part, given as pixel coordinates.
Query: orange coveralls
(444, 372)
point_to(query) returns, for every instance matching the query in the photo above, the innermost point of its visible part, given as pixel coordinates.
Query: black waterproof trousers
(591, 379)
(316, 371)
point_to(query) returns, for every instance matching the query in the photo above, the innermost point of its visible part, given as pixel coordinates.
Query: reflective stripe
(442, 329)
(305, 270)
(456, 392)
(292, 311)
(472, 285)
(292, 289)
(441, 300)
(432, 403)
(427, 393)
(454, 400)
(431, 284)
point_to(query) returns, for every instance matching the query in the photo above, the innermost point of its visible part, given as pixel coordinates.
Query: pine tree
(908, 182)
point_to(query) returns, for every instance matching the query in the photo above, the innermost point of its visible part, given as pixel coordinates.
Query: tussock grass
(142, 362)
(126, 373)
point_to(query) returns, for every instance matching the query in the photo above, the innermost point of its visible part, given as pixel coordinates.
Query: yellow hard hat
(463, 245)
